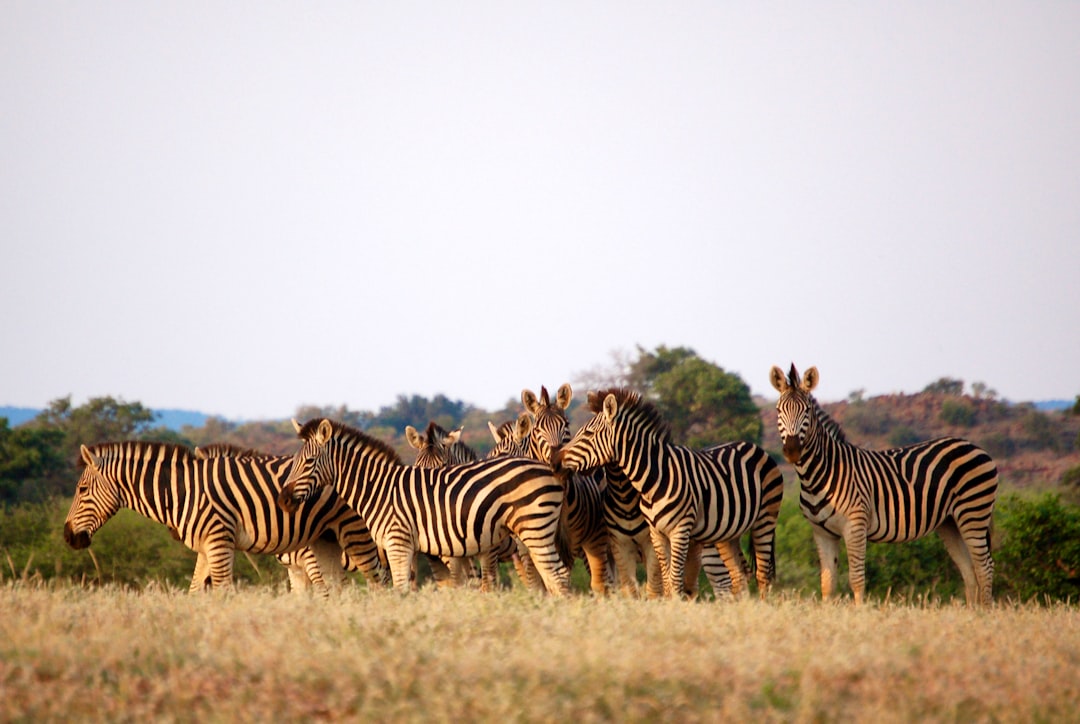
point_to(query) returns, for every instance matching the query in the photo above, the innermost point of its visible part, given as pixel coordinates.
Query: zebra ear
(325, 432)
(779, 382)
(529, 400)
(610, 407)
(297, 426)
(87, 456)
(413, 437)
(454, 435)
(523, 427)
(494, 431)
(810, 379)
(564, 395)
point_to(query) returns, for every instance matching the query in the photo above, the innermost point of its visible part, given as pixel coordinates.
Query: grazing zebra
(345, 545)
(459, 511)
(710, 496)
(946, 485)
(215, 506)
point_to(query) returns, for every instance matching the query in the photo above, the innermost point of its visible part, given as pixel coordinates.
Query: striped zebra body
(858, 495)
(583, 509)
(630, 540)
(345, 544)
(214, 506)
(458, 511)
(711, 497)
(437, 448)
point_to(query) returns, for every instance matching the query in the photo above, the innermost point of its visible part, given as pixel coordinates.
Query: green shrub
(1039, 551)
(904, 435)
(957, 412)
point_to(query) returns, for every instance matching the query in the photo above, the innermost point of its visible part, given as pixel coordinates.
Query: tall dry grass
(260, 654)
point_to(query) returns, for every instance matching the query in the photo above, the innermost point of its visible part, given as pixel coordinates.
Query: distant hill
(172, 419)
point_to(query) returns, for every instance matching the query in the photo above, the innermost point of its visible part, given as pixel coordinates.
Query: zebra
(847, 492)
(214, 506)
(512, 437)
(459, 511)
(346, 545)
(583, 509)
(710, 496)
(437, 448)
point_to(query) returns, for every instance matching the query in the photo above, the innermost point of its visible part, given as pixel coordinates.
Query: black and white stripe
(947, 485)
(215, 506)
(460, 511)
(710, 496)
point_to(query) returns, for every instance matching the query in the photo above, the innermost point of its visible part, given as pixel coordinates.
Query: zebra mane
(123, 449)
(226, 450)
(832, 427)
(351, 434)
(435, 432)
(633, 402)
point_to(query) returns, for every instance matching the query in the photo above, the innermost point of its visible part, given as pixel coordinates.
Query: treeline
(1037, 537)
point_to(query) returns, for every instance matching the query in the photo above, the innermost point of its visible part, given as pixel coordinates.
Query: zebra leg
(958, 551)
(692, 573)
(489, 570)
(596, 555)
(855, 540)
(624, 552)
(662, 551)
(975, 532)
(731, 552)
(310, 563)
(716, 571)
(400, 556)
(828, 548)
(200, 580)
(545, 556)
(654, 575)
(220, 554)
(459, 570)
(679, 546)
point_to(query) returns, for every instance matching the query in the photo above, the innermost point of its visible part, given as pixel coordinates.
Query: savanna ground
(262, 654)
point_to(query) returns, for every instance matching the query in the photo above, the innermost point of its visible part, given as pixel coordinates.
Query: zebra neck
(642, 460)
(156, 488)
(359, 475)
(817, 462)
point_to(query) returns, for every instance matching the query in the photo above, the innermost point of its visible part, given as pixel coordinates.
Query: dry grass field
(452, 656)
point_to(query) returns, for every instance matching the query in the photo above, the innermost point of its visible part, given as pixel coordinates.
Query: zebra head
(552, 428)
(312, 466)
(512, 437)
(433, 446)
(594, 444)
(96, 500)
(794, 409)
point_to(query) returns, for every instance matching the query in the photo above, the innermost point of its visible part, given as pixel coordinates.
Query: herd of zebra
(617, 493)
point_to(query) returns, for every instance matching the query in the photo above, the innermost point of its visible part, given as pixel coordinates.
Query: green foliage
(29, 457)
(703, 404)
(998, 444)
(945, 386)
(904, 435)
(957, 412)
(1039, 553)
(867, 419)
(912, 569)
(1040, 432)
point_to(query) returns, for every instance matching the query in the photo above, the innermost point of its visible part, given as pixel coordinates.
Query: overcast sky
(245, 207)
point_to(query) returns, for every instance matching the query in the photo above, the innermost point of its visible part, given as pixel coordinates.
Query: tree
(29, 459)
(703, 404)
(945, 386)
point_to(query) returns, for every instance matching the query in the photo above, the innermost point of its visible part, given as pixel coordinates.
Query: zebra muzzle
(792, 450)
(287, 502)
(79, 540)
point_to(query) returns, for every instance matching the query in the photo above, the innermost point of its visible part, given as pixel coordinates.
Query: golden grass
(261, 654)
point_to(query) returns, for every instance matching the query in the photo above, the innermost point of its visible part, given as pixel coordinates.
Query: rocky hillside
(1033, 448)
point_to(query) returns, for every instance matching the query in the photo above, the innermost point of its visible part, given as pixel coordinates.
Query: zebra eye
(82, 490)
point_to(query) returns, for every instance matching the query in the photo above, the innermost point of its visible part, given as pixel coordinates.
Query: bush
(904, 435)
(957, 412)
(1039, 551)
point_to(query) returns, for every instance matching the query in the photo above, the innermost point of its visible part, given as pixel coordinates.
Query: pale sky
(244, 207)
